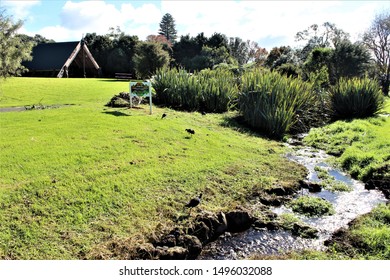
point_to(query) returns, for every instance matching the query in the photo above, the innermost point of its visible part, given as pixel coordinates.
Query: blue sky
(269, 23)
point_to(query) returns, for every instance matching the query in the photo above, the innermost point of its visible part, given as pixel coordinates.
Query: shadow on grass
(116, 114)
(238, 123)
(113, 80)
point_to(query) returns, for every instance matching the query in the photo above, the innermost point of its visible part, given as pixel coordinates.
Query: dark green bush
(273, 103)
(209, 90)
(356, 98)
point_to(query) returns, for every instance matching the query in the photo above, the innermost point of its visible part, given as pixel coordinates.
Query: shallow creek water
(347, 205)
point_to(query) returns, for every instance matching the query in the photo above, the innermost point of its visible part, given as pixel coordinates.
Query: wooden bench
(123, 76)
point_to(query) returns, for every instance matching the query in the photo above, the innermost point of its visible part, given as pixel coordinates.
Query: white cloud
(262, 20)
(58, 33)
(247, 19)
(270, 23)
(20, 9)
(97, 16)
(78, 18)
(146, 14)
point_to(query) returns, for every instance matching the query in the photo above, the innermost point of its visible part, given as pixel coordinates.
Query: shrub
(219, 90)
(356, 98)
(208, 90)
(273, 103)
(175, 87)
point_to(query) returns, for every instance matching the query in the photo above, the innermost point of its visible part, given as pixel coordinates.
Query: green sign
(141, 89)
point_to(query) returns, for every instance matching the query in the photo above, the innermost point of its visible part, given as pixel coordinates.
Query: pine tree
(167, 27)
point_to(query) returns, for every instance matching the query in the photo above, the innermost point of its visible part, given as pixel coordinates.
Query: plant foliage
(273, 103)
(208, 90)
(13, 50)
(356, 98)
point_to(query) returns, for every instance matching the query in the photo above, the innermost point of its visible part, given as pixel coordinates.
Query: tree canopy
(13, 49)
(148, 58)
(377, 39)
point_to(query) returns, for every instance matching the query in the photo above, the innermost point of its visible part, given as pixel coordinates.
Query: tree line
(327, 53)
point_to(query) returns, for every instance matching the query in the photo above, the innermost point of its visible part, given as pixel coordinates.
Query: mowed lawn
(76, 177)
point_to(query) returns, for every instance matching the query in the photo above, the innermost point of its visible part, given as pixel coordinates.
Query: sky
(269, 23)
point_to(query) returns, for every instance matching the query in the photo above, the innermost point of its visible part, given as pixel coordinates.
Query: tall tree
(346, 60)
(161, 39)
(148, 58)
(217, 40)
(279, 56)
(113, 51)
(187, 49)
(377, 39)
(168, 28)
(239, 49)
(326, 35)
(349, 60)
(13, 49)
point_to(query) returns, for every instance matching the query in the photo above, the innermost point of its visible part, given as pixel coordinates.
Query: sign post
(141, 89)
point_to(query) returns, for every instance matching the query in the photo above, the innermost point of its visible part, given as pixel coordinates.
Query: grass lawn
(76, 177)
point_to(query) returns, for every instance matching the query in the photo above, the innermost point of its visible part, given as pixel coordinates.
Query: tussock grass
(77, 177)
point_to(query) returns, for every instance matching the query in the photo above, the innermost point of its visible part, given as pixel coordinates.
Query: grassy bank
(76, 177)
(362, 146)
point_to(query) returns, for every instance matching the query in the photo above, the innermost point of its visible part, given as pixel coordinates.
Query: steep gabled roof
(50, 56)
(55, 56)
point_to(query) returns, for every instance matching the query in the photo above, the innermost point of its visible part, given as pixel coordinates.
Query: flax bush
(219, 90)
(272, 102)
(356, 98)
(208, 90)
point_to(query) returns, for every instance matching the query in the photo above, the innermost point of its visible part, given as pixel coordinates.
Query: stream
(347, 205)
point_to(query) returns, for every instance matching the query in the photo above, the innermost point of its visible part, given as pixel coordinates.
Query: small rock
(171, 253)
(238, 221)
(311, 186)
(192, 244)
(304, 231)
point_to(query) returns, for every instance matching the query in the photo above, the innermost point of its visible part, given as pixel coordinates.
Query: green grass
(74, 178)
(362, 145)
(29, 91)
(311, 206)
